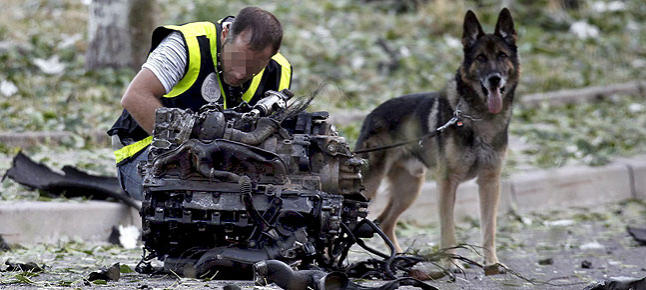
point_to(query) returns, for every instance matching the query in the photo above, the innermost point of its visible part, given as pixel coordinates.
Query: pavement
(28, 222)
(551, 224)
(555, 249)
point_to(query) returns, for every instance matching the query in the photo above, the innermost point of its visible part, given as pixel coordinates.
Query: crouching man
(231, 61)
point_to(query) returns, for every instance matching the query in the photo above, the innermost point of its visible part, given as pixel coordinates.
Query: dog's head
(490, 60)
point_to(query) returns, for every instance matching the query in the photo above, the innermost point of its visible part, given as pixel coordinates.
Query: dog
(483, 91)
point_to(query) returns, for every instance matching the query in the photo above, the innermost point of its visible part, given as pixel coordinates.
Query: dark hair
(265, 28)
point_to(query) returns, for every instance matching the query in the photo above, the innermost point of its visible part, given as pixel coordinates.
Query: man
(231, 61)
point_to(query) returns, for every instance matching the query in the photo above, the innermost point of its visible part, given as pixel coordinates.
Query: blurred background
(64, 65)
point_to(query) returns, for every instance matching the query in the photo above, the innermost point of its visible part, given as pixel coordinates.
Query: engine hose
(262, 223)
(379, 232)
(264, 129)
(388, 273)
(245, 190)
(389, 264)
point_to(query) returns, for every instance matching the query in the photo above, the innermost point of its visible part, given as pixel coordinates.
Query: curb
(29, 222)
(582, 95)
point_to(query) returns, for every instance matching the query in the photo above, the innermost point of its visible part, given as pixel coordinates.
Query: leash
(456, 120)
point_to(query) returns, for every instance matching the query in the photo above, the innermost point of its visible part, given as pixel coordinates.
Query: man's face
(239, 62)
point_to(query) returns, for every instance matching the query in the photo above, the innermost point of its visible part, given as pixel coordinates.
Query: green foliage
(592, 133)
(124, 269)
(100, 282)
(23, 278)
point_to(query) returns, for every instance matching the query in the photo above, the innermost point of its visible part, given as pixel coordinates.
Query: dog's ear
(472, 29)
(505, 26)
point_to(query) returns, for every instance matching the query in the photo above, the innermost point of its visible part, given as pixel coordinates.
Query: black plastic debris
(3, 245)
(73, 183)
(114, 236)
(546, 261)
(23, 267)
(619, 284)
(231, 287)
(112, 273)
(274, 271)
(586, 264)
(639, 234)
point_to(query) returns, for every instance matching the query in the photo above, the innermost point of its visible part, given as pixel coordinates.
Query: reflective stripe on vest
(132, 149)
(285, 71)
(190, 32)
(285, 77)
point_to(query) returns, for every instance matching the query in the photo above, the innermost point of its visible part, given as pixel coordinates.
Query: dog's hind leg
(378, 165)
(405, 182)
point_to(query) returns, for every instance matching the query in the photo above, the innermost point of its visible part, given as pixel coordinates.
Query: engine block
(223, 190)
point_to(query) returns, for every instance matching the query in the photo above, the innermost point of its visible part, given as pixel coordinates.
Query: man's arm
(141, 98)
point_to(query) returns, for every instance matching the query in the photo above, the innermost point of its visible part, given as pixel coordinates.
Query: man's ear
(505, 26)
(471, 30)
(225, 33)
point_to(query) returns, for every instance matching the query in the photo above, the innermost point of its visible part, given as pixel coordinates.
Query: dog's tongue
(495, 101)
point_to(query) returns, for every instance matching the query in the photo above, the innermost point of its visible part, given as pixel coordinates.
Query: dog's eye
(502, 55)
(481, 58)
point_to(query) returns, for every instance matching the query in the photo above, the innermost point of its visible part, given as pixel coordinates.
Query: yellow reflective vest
(202, 42)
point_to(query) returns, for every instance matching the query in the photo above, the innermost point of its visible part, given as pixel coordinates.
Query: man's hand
(142, 98)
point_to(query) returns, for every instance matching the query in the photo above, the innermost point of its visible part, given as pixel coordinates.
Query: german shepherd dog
(483, 90)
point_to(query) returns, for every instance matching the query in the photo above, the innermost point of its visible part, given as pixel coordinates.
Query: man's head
(248, 44)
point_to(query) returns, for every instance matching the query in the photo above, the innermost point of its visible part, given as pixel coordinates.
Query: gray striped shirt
(168, 60)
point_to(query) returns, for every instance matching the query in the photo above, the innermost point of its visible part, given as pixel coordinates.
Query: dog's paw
(495, 269)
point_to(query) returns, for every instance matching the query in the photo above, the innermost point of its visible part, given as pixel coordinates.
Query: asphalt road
(548, 249)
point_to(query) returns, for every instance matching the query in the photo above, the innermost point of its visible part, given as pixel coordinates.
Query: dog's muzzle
(493, 86)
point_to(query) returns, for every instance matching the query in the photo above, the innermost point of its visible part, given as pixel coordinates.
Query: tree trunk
(119, 33)
(142, 23)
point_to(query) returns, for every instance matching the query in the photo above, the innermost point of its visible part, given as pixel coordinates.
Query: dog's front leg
(447, 189)
(489, 189)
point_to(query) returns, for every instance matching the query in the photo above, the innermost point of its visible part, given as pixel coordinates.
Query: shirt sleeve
(168, 60)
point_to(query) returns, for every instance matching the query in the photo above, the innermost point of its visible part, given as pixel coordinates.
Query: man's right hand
(141, 98)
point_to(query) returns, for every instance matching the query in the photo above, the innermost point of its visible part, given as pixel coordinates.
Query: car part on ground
(224, 189)
(72, 183)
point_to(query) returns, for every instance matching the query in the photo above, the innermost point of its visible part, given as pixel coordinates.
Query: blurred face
(239, 62)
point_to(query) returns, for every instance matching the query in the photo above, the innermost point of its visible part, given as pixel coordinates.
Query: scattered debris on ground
(586, 264)
(619, 283)
(3, 245)
(112, 273)
(546, 261)
(125, 236)
(274, 271)
(73, 183)
(23, 267)
(639, 234)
